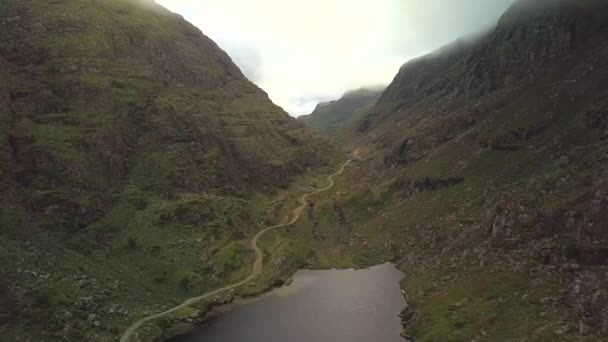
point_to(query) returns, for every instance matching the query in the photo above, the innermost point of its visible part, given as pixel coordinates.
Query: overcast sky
(304, 52)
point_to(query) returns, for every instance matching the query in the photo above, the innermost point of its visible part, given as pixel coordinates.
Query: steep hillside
(337, 117)
(487, 162)
(135, 159)
(538, 47)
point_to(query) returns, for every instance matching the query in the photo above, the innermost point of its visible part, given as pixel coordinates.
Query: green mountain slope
(337, 118)
(486, 179)
(135, 160)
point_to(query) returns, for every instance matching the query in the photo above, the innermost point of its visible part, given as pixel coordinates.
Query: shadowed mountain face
(337, 117)
(120, 88)
(98, 95)
(123, 127)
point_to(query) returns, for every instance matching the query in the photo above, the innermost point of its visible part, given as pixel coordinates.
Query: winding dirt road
(258, 265)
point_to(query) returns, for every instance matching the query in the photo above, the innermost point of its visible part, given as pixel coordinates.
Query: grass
(490, 306)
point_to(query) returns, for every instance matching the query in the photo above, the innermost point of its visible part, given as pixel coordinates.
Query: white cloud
(301, 52)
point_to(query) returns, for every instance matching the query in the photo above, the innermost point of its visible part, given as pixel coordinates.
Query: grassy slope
(135, 164)
(157, 257)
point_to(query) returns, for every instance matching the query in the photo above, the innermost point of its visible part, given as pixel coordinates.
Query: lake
(330, 305)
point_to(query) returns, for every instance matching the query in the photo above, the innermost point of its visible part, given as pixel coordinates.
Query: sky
(305, 52)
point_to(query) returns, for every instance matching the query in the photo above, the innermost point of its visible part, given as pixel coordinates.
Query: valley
(258, 264)
(148, 186)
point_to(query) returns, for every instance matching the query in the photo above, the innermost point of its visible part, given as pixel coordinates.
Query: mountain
(136, 163)
(130, 144)
(336, 117)
(537, 46)
(485, 178)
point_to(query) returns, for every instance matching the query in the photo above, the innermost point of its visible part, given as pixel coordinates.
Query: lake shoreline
(180, 329)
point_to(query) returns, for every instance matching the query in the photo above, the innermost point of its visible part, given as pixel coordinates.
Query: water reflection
(323, 306)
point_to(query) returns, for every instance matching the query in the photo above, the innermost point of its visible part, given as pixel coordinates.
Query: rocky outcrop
(423, 184)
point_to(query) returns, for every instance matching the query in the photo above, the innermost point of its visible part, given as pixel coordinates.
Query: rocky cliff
(490, 181)
(536, 47)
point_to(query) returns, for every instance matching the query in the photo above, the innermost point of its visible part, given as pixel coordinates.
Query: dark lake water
(319, 306)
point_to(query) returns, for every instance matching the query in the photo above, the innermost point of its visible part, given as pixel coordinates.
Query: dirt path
(258, 265)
